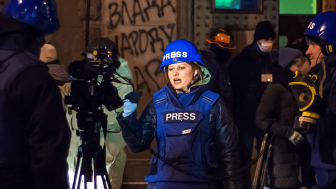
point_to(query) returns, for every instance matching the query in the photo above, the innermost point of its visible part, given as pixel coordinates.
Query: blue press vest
(11, 134)
(182, 136)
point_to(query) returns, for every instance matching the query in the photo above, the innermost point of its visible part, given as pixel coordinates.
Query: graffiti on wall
(144, 28)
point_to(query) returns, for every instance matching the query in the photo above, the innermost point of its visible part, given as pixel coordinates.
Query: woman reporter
(192, 126)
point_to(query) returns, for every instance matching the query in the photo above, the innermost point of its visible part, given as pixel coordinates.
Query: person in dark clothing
(250, 73)
(289, 165)
(192, 127)
(321, 38)
(216, 60)
(34, 133)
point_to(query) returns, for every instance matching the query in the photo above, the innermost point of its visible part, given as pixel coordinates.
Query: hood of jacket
(19, 36)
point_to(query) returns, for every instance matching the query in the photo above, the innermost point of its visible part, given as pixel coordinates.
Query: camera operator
(34, 133)
(321, 38)
(115, 144)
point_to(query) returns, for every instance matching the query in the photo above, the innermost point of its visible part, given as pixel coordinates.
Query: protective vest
(11, 133)
(182, 134)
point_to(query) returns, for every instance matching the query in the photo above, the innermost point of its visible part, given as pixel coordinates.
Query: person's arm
(123, 88)
(138, 134)
(227, 142)
(269, 103)
(37, 100)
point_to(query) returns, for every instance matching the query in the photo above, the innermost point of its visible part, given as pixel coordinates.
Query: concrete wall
(241, 25)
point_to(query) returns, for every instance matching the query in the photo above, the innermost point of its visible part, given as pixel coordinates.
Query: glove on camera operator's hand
(296, 138)
(131, 102)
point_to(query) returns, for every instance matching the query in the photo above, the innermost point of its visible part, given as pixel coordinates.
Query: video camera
(91, 78)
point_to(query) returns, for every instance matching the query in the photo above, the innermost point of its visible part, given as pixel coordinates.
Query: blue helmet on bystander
(41, 14)
(323, 27)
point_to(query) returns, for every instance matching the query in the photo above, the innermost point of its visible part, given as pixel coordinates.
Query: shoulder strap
(210, 97)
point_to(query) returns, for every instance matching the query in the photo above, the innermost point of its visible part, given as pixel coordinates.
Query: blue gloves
(131, 102)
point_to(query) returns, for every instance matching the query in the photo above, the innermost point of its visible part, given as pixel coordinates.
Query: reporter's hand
(130, 102)
(296, 138)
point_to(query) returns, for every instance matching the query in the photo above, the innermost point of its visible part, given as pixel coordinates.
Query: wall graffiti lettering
(151, 73)
(117, 15)
(142, 37)
(136, 42)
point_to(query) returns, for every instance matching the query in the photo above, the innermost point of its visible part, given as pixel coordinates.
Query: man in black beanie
(250, 73)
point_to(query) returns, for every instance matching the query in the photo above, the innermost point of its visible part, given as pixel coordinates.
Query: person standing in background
(289, 166)
(250, 73)
(216, 60)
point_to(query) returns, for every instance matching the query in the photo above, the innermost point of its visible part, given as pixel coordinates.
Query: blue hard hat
(181, 51)
(323, 26)
(41, 14)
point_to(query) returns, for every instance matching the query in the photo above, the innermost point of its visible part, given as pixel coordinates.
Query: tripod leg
(76, 174)
(85, 182)
(95, 171)
(77, 170)
(106, 181)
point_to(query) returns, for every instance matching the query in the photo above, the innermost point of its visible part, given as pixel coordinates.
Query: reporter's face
(314, 53)
(180, 75)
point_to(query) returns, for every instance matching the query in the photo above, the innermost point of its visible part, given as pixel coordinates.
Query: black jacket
(245, 74)
(220, 80)
(326, 107)
(275, 114)
(139, 135)
(34, 98)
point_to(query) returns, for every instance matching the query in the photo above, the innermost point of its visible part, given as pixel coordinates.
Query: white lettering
(178, 54)
(180, 116)
(174, 116)
(172, 54)
(184, 55)
(311, 25)
(185, 116)
(192, 116)
(168, 116)
(167, 56)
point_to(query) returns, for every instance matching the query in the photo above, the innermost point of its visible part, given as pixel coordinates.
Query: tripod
(91, 156)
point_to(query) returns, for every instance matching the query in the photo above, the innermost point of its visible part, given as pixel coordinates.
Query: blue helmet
(323, 26)
(41, 14)
(181, 51)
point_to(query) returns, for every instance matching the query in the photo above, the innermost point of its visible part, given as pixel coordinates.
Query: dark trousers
(307, 171)
(246, 139)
